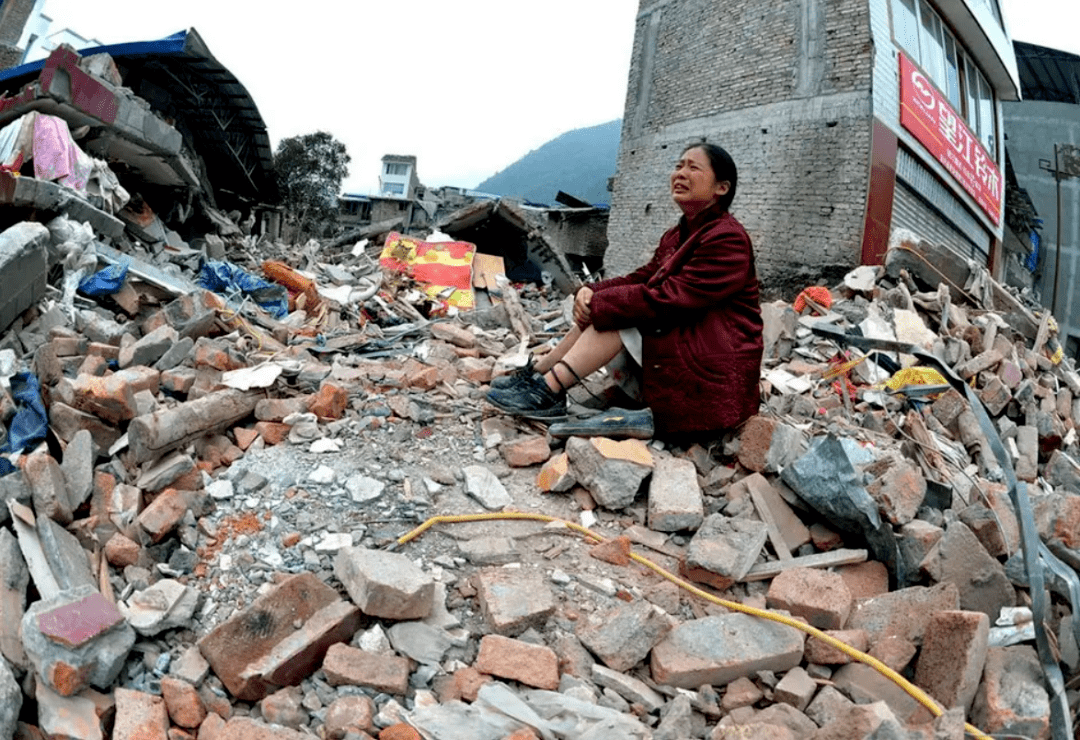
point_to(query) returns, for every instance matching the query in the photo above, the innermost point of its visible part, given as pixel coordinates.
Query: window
(393, 188)
(397, 168)
(920, 32)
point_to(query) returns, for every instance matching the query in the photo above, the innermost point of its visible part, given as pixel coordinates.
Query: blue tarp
(228, 279)
(30, 422)
(105, 282)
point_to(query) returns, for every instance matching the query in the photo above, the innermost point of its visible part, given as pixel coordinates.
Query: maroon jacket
(696, 305)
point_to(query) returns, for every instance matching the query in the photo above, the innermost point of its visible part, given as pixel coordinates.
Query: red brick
(244, 437)
(348, 666)
(426, 377)
(349, 713)
(178, 380)
(524, 451)
(245, 728)
(822, 653)
(164, 513)
(865, 580)
(821, 598)
(272, 432)
(93, 365)
(122, 551)
(754, 442)
(468, 681)
(615, 551)
(330, 402)
(48, 487)
(183, 702)
(140, 716)
(212, 728)
(532, 665)
(207, 353)
(107, 351)
(456, 335)
(400, 731)
(111, 398)
(474, 370)
(953, 656)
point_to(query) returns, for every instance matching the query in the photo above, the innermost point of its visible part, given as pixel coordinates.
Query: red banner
(926, 113)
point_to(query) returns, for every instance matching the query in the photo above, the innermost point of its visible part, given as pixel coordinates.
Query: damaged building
(848, 120)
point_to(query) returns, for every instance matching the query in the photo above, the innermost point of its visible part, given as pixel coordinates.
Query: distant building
(848, 119)
(398, 176)
(1045, 123)
(15, 18)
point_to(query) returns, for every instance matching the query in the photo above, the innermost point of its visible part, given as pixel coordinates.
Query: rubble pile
(211, 499)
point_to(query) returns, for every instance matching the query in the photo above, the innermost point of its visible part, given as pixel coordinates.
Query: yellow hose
(911, 689)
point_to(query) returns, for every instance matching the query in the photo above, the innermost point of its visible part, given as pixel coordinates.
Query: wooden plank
(765, 571)
(775, 536)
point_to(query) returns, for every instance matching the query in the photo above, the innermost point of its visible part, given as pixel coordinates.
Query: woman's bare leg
(590, 351)
(547, 361)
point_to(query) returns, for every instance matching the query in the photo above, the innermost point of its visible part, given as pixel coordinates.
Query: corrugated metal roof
(1048, 74)
(183, 81)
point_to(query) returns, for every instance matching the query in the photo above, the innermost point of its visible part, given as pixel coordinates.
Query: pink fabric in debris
(57, 156)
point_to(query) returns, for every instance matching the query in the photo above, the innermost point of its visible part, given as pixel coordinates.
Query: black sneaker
(510, 380)
(530, 398)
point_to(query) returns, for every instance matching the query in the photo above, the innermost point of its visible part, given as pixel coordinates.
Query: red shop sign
(928, 116)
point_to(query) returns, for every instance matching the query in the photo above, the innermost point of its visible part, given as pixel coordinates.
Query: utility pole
(1066, 165)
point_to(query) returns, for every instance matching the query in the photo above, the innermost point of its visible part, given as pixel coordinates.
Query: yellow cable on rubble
(911, 689)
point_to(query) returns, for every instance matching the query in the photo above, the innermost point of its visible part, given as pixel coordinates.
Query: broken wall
(786, 90)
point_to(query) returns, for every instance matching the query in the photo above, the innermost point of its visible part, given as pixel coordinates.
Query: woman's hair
(723, 167)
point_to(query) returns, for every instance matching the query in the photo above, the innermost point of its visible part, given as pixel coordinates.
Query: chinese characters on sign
(928, 116)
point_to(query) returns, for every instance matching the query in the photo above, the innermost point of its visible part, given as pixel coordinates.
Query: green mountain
(579, 163)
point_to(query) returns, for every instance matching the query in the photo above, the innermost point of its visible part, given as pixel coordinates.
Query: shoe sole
(539, 415)
(611, 423)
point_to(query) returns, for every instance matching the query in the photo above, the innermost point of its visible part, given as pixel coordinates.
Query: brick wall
(785, 88)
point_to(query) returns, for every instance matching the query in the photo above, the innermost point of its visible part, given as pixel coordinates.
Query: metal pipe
(1057, 247)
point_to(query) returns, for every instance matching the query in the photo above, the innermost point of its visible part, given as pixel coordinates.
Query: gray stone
(384, 584)
(633, 690)
(675, 499)
(864, 685)
(221, 489)
(14, 578)
(421, 642)
(717, 650)
(960, 558)
(78, 467)
(727, 547)
(74, 717)
(796, 688)
(676, 721)
(95, 662)
(191, 666)
(482, 485)
(514, 599)
(67, 559)
(828, 706)
(175, 355)
(363, 489)
(1012, 698)
(251, 482)
(13, 487)
(10, 700)
(903, 613)
(150, 348)
(165, 605)
(489, 550)
(623, 635)
(613, 482)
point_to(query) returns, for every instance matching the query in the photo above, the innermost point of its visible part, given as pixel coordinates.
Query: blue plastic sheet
(105, 282)
(30, 422)
(227, 279)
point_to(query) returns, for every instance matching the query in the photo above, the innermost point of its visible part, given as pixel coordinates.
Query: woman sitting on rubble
(690, 318)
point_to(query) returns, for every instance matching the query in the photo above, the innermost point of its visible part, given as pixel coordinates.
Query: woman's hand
(581, 306)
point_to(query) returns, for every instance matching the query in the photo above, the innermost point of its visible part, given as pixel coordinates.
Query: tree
(309, 170)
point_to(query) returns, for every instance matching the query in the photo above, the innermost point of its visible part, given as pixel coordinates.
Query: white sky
(468, 87)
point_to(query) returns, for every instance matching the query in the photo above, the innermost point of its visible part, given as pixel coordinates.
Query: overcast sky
(468, 87)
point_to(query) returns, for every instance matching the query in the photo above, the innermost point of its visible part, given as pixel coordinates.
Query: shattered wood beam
(152, 435)
(765, 571)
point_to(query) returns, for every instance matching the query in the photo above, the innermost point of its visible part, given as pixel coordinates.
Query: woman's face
(693, 184)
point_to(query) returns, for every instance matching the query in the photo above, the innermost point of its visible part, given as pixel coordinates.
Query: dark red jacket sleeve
(719, 266)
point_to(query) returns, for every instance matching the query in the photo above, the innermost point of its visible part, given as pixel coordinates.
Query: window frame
(972, 97)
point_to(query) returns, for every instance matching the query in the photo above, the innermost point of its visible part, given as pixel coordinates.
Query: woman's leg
(547, 361)
(589, 351)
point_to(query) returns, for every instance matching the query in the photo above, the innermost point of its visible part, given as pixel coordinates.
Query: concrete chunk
(623, 635)
(482, 485)
(14, 578)
(384, 584)
(724, 549)
(512, 600)
(717, 650)
(675, 499)
(1012, 698)
(960, 558)
(24, 263)
(611, 471)
(66, 716)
